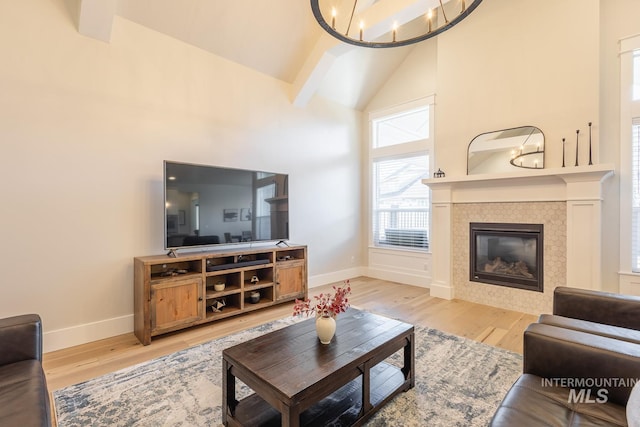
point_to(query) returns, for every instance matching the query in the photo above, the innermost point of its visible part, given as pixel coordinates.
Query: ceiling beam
(96, 18)
(316, 66)
(378, 20)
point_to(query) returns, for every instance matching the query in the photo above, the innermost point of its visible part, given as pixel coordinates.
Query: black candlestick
(590, 162)
(562, 152)
(577, 135)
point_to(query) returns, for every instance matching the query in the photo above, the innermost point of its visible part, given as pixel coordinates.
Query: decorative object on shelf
(563, 152)
(577, 144)
(174, 272)
(590, 162)
(219, 286)
(506, 150)
(254, 280)
(438, 174)
(407, 26)
(325, 328)
(217, 305)
(254, 297)
(326, 307)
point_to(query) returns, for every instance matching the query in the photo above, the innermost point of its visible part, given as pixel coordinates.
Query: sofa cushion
(24, 400)
(20, 338)
(530, 402)
(597, 306)
(601, 329)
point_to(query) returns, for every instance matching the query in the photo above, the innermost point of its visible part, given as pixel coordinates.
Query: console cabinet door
(175, 303)
(290, 279)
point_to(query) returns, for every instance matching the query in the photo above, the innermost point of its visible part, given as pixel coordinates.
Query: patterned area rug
(459, 382)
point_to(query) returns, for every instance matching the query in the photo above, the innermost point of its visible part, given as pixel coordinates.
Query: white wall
(514, 63)
(550, 64)
(618, 19)
(85, 126)
(414, 79)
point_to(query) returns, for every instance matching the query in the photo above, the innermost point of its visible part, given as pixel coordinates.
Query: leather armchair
(24, 397)
(596, 312)
(564, 380)
(580, 364)
(598, 307)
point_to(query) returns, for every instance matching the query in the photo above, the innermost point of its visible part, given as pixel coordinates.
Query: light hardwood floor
(494, 326)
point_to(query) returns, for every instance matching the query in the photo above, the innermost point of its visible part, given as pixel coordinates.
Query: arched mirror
(507, 150)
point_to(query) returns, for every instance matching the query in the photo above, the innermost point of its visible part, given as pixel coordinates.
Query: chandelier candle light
(398, 27)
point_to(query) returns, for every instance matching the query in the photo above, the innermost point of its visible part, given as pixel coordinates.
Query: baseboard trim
(88, 332)
(335, 276)
(443, 291)
(94, 331)
(420, 280)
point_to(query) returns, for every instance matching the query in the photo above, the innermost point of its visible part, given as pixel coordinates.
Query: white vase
(325, 328)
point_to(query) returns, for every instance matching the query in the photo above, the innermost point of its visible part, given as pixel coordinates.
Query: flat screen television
(211, 205)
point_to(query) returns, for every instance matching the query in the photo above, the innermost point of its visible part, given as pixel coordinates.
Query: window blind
(401, 202)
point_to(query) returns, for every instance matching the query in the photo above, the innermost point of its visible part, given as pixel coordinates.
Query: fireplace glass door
(507, 255)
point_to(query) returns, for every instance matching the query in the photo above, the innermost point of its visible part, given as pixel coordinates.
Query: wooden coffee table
(299, 381)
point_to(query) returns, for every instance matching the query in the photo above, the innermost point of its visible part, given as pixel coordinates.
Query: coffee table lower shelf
(341, 408)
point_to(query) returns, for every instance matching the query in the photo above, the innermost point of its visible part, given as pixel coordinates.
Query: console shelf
(239, 264)
(176, 293)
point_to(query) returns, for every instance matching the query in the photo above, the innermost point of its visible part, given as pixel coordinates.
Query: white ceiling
(273, 37)
(279, 38)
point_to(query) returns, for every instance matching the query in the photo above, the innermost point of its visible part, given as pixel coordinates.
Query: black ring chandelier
(424, 27)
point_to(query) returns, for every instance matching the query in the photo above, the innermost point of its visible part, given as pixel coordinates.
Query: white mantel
(580, 187)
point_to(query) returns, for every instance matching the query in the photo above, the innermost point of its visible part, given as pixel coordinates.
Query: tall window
(400, 149)
(630, 155)
(635, 194)
(636, 76)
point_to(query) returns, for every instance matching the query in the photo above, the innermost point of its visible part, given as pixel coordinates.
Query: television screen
(209, 205)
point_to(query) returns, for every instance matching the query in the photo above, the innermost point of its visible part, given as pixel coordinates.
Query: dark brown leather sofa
(580, 364)
(24, 398)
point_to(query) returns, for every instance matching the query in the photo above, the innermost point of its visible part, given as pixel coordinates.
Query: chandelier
(389, 23)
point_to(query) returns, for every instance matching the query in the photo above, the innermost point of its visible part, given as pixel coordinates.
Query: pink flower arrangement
(326, 304)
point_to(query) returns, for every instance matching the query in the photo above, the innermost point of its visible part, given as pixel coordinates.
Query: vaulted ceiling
(279, 38)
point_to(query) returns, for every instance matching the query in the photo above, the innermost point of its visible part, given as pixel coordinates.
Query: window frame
(629, 109)
(389, 152)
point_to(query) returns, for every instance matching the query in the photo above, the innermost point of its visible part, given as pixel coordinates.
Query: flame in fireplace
(518, 268)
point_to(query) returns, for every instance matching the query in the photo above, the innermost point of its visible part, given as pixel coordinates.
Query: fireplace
(506, 254)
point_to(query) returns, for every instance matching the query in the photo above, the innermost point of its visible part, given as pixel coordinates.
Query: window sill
(629, 283)
(395, 250)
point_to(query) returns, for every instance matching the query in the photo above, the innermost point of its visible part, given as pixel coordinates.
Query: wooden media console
(173, 293)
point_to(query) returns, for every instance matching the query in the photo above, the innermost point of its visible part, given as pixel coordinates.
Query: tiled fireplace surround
(567, 201)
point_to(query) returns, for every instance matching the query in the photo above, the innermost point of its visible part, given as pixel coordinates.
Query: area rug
(459, 382)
